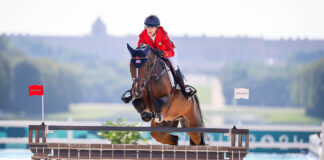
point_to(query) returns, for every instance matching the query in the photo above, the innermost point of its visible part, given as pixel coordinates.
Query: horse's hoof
(158, 120)
(146, 116)
(175, 139)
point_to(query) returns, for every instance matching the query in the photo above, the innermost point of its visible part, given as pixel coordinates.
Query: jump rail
(44, 150)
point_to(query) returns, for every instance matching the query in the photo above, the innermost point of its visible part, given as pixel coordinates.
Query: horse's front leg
(159, 104)
(140, 108)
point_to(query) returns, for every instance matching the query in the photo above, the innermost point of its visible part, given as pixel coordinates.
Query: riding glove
(159, 52)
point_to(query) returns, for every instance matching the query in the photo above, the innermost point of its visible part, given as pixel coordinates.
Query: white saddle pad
(170, 76)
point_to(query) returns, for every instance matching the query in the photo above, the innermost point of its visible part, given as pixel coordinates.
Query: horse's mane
(143, 47)
(160, 60)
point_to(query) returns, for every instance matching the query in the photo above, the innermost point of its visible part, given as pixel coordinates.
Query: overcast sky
(271, 19)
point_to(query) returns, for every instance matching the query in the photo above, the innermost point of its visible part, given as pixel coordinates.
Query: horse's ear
(147, 49)
(130, 49)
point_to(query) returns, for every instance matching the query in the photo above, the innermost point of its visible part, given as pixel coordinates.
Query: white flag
(241, 93)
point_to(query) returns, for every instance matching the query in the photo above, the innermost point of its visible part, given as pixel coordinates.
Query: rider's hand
(159, 52)
(142, 45)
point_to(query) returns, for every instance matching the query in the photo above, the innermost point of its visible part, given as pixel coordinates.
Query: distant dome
(98, 28)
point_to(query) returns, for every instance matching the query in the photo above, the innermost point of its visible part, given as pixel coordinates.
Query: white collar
(153, 38)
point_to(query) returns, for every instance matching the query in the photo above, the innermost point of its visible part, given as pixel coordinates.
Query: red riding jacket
(162, 41)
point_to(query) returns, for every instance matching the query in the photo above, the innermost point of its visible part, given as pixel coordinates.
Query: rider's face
(151, 31)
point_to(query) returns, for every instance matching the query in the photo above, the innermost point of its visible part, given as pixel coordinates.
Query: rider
(155, 36)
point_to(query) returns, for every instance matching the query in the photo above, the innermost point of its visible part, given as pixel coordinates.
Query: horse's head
(139, 68)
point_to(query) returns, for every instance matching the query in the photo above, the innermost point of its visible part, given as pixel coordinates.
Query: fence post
(322, 140)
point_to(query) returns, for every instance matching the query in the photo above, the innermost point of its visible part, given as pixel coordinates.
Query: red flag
(36, 90)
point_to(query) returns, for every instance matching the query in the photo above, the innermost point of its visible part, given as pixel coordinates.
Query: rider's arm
(140, 40)
(169, 48)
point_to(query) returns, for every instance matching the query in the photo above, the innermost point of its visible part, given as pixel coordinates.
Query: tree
(4, 43)
(5, 80)
(25, 74)
(308, 88)
(122, 137)
(269, 85)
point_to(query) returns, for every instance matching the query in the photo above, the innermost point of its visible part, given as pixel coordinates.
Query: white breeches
(174, 60)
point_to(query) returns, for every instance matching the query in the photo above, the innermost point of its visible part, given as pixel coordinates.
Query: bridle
(149, 73)
(148, 78)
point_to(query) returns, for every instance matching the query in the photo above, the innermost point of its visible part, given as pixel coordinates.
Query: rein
(148, 76)
(147, 79)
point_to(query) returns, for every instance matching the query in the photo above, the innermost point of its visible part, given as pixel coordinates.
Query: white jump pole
(43, 110)
(234, 114)
(239, 93)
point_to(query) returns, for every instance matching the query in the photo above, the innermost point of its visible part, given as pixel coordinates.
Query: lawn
(92, 112)
(113, 111)
(271, 115)
(204, 95)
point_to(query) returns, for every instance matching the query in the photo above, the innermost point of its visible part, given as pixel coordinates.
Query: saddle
(186, 90)
(172, 70)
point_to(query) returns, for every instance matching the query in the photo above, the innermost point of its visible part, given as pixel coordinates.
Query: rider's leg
(187, 91)
(174, 60)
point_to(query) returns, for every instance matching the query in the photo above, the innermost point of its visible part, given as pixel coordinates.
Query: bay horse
(155, 98)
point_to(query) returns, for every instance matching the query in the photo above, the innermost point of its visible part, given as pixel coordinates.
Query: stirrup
(191, 91)
(126, 98)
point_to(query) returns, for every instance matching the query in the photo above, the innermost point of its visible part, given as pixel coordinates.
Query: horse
(155, 98)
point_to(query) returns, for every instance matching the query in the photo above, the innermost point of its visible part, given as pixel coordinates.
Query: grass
(91, 111)
(95, 111)
(268, 115)
(271, 115)
(102, 111)
(296, 117)
(204, 95)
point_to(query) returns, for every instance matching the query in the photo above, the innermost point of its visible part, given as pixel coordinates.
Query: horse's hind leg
(165, 137)
(195, 138)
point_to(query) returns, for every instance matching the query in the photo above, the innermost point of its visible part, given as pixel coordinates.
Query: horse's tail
(199, 109)
(201, 119)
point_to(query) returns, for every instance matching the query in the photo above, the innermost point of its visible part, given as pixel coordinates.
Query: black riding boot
(187, 90)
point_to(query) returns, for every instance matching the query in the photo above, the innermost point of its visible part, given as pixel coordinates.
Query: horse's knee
(161, 102)
(138, 105)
